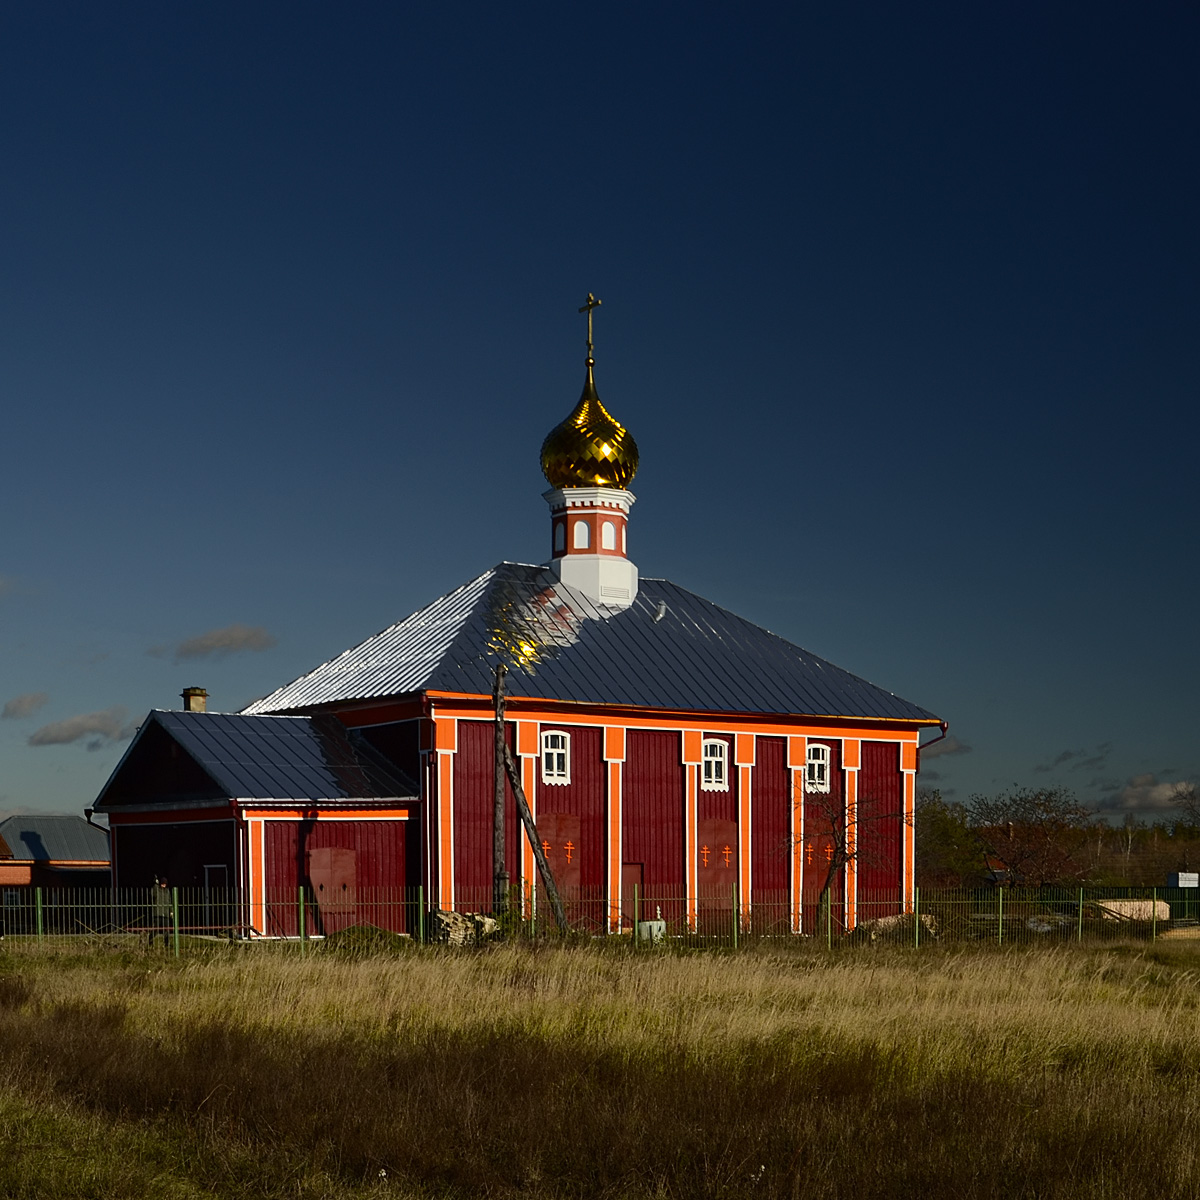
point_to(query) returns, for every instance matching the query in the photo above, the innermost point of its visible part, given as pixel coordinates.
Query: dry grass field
(248, 1071)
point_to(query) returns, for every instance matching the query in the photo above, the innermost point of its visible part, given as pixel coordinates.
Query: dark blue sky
(900, 303)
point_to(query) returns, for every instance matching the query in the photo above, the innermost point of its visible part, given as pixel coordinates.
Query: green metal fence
(177, 917)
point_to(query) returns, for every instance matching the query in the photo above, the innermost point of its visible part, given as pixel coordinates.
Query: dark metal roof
(54, 839)
(671, 649)
(277, 758)
(306, 758)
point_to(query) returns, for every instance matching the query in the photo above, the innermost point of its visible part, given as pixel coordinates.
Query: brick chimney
(194, 699)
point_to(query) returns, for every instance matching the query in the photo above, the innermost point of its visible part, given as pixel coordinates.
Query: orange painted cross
(569, 847)
(545, 847)
(728, 854)
(704, 855)
(808, 854)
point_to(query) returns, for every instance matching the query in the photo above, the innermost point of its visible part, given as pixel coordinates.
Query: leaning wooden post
(37, 899)
(539, 855)
(499, 874)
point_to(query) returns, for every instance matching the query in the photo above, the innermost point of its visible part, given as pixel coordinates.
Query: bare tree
(1187, 800)
(1039, 834)
(848, 832)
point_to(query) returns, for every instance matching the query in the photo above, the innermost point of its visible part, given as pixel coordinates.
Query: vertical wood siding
(652, 816)
(770, 834)
(880, 826)
(818, 842)
(373, 868)
(583, 798)
(473, 791)
(719, 806)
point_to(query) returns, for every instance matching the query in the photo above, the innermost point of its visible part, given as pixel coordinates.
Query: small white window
(714, 773)
(608, 536)
(556, 757)
(560, 535)
(582, 535)
(816, 771)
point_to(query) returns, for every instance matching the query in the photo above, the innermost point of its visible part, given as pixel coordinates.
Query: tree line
(1037, 837)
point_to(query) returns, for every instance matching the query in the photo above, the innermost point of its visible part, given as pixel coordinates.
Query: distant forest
(1045, 837)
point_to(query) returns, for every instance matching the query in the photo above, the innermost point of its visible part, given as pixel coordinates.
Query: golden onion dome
(589, 449)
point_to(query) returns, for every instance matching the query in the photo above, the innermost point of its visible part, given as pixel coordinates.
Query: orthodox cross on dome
(592, 302)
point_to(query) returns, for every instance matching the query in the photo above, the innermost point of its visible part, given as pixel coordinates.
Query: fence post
(37, 899)
(636, 916)
(421, 913)
(1000, 918)
(916, 918)
(175, 919)
(829, 920)
(300, 929)
(735, 916)
(1079, 933)
(1154, 914)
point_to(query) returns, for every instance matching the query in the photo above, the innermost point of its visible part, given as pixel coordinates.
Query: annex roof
(671, 649)
(54, 839)
(271, 758)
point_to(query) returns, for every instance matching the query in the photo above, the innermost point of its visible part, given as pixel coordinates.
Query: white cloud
(217, 643)
(949, 745)
(1144, 793)
(23, 706)
(104, 727)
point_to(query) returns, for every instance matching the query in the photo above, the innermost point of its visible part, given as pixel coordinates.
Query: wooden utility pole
(499, 874)
(505, 765)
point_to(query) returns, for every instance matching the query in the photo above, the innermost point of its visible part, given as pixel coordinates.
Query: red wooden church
(665, 746)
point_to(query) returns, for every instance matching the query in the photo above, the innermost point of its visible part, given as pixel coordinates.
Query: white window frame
(556, 757)
(816, 770)
(714, 753)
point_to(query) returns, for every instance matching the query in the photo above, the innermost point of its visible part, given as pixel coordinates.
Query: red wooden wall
(473, 808)
(770, 833)
(652, 816)
(818, 842)
(880, 826)
(373, 873)
(582, 798)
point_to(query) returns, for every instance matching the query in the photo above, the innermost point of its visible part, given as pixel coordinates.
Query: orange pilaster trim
(797, 752)
(614, 846)
(693, 741)
(445, 735)
(527, 739)
(851, 848)
(797, 793)
(690, 837)
(614, 743)
(257, 889)
(529, 769)
(445, 830)
(851, 753)
(908, 756)
(744, 750)
(745, 777)
(910, 866)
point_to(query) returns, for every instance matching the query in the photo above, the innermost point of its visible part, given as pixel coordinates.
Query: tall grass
(578, 1073)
